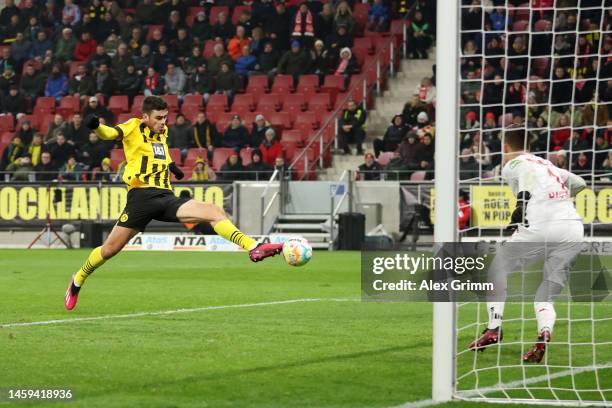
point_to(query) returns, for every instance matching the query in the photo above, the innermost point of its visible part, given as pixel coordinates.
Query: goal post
(446, 171)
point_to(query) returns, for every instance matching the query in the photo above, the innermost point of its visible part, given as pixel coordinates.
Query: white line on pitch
(171, 312)
(511, 384)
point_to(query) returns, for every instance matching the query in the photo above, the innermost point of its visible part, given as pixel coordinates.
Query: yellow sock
(94, 261)
(228, 230)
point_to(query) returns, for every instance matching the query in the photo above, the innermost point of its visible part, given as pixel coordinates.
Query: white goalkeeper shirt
(551, 198)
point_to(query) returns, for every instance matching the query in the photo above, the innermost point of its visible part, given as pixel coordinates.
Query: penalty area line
(481, 392)
(171, 312)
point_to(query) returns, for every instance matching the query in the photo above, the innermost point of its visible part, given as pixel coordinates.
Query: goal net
(544, 66)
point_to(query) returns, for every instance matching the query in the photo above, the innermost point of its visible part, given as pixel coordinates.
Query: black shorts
(146, 204)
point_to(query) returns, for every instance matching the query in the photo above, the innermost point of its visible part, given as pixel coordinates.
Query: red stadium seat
(7, 122)
(319, 102)
(6, 138)
(218, 100)
(282, 84)
(364, 43)
(137, 102)
(333, 81)
(360, 13)
(245, 155)
(308, 84)
(306, 122)
(293, 136)
(289, 149)
(295, 103)
(192, 12)
(242, 102)
(270, 102)
(223, 120)
(45, 104)
(118, 104)
(191, 111)
(175, 154)
(281, 119)
(117, 154)
(214, 13)
(34, 120)
(44, 122)
(194, 153)
(172, 101)
(257, 86)
(124, 117)
(237, 11)
(220, 156)
(69, 105)
(193, 100)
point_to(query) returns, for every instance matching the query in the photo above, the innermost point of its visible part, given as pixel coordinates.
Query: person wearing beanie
(347, 64)
(105, 173)
(258, 169)
(393, 136)
(201, 171)
(294, 62)
(260, 127)
(270, 148)
(236, 136)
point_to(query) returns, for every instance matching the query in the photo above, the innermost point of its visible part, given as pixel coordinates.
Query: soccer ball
(297, 251)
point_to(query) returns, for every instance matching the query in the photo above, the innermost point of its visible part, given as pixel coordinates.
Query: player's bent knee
(214, 213)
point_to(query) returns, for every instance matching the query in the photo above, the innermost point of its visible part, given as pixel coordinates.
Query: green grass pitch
(330, 350)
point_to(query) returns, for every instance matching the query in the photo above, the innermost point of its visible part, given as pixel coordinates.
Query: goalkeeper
(545, 225)
(150, 195)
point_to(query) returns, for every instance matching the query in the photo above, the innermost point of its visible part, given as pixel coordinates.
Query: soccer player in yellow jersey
(150, 195)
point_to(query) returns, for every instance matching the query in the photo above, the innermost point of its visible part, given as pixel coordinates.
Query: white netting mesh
(545, 66)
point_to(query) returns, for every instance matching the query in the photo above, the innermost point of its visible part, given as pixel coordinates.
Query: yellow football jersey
(146, 153)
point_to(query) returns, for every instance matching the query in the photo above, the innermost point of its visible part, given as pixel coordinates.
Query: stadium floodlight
(542, 66)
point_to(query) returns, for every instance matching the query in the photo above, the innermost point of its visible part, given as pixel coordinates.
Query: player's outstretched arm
(109, 132)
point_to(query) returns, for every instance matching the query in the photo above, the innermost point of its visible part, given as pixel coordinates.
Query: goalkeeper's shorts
(147, 204)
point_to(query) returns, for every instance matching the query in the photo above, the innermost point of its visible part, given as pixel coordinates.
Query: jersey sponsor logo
(158, 151)
(514, 163)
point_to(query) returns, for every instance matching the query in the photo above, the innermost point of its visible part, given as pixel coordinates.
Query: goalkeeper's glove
(93, 122)
(178, 173)
(518, 215)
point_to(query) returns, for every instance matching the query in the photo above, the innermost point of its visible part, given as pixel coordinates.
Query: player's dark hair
(151, 103)
(515, 138)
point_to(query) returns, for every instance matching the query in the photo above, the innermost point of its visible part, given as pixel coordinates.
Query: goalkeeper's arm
(575, 184)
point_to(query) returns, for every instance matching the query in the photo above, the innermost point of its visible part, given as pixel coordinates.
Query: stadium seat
(281, 119)
(223, 120)
(307, 122)
(137, 102)
(294, 104)
(45, 104)
(213, 16)
(208, 49)
(308, 84)
(175, 154)
(360, 13)
(6, 138)
(269, 102)
(172, 101)
(257, 86)
(171, 118)
(384, 158)
(521, 25)
(191, 111)
(34, 120)
(242, 102)
(7, 122)
(245, 155)
(237, 11)
(293, 136)
(116, 156)
(333, 81)
(193, 100)
(319, 103)
(118, 104)
(194, 153)
(220, 156)
(418, 176)
(69, 105)
(192, 12)
(217, 104)
(44, 122)
(124, 117)
(364, 43)
(282, 84)
(289, 149)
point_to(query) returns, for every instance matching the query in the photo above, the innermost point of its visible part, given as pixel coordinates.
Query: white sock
(496, 311)
(545, 315)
